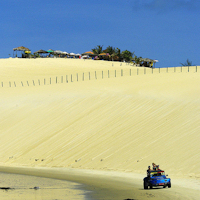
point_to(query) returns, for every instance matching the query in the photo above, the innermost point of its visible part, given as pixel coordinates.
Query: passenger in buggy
(155, 167)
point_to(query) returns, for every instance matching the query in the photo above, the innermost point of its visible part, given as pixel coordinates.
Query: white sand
(121, 123)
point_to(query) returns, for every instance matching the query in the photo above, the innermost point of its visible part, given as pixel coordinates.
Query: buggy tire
(169, 185)
(145, 185)
(151, 186)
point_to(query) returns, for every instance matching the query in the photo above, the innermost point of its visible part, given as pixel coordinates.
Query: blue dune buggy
(155, 179)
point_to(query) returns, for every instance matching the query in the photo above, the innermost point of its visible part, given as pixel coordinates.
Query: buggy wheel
(169, 185)
(164, 186)
(151, 186)
(145, 184)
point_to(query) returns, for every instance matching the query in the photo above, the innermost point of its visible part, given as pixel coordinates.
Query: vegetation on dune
(114, 54)
(187, 63)
(111, 50)
(127, 55)
(98, 49)
(137, 59)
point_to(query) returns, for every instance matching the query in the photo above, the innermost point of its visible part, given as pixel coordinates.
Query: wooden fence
(100, 74)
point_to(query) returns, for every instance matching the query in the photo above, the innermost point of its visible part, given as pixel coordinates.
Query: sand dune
(121, 123)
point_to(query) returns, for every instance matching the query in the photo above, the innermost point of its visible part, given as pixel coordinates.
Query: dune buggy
(157, 178)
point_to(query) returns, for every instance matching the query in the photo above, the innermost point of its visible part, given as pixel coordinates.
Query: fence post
(44, 81)
(27, 83)
(83, 76)
(22, 84)
(9, 83)
(137, 71)
(174, 69)
(130, 72)
(66, 79)
(14, 84)
(56, 79)
(71, 78)
(152, 70)
(144, 70)
(102, 74)
(89, 75)
(95, 75)
(181, 68)
(61, 79)
(121, 72)
(188, 68)
(77, 76)
(159, 69)
(39, 81)
(108, 74)
(196, 68)
(115, 73)
(33, 83)
(167, 69)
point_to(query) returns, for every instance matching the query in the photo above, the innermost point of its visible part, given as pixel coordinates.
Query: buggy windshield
(157, 173)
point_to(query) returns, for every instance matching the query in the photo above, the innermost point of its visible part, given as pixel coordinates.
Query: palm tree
(187, 63)
(127, 55)
(98, 49)
(109, 50)
(137, 59)
(118, 52)
(115, 54)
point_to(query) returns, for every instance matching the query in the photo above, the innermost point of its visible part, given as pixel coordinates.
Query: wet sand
(94, 184)
(21, 187)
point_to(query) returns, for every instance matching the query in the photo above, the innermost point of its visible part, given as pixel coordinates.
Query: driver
(148, 171)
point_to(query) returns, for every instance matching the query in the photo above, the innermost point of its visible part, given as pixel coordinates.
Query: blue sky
(167, 30)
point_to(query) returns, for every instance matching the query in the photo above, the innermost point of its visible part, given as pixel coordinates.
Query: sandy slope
(121, 123)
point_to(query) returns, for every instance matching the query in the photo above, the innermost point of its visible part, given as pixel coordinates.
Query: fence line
(102, 74)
